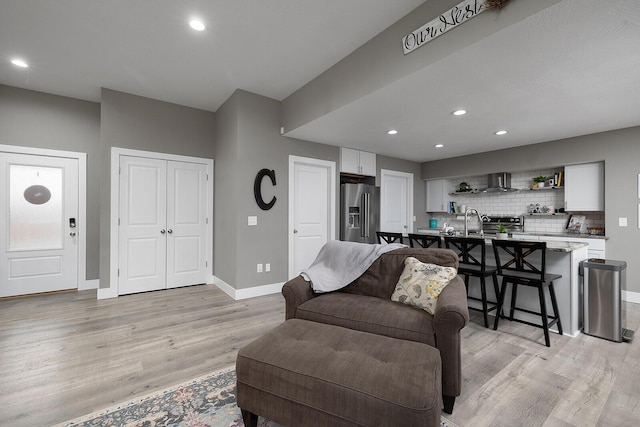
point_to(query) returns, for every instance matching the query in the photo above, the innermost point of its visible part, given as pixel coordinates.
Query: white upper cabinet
(438, 195)
(584, 187)
(358, 162)
(367, 163)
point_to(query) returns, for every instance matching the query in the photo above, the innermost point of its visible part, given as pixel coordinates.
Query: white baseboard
(255, 291)
(89, 284)
(631, 297)
(104, 293)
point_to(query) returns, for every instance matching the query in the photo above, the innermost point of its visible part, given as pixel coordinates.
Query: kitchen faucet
(466, 222)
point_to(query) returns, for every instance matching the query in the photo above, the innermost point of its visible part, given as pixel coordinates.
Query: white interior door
(186, 223)
(396, 202)
(38, 199)
(143, 225)
(311, 210)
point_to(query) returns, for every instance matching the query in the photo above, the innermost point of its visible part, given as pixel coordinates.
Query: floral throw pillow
(420, 284)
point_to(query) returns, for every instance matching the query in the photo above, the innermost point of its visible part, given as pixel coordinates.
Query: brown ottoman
(306, 373)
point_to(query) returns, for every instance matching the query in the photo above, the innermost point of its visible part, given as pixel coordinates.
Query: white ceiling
(145, 47)
(570, 70)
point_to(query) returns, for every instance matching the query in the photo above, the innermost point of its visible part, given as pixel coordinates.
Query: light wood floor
(66, 355)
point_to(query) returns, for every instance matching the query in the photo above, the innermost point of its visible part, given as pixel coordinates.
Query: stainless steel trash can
(604, 312)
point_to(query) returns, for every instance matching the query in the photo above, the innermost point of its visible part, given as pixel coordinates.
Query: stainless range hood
(498, 183)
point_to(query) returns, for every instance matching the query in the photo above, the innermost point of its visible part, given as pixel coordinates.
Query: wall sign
(257, 192)
(460, 13)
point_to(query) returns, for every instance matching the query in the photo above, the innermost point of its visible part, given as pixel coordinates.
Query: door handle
(295, 231)
(72, 234)
(162, 231)
(169, 231)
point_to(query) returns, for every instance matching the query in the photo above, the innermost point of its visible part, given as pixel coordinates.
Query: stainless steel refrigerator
(359, 212)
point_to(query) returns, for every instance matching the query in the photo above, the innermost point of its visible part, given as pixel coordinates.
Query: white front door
(186, 223)
(39, 218)
(143, 225)
(396, 202)
(311, 210)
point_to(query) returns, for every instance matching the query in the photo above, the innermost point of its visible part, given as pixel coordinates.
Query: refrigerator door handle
(365, 222)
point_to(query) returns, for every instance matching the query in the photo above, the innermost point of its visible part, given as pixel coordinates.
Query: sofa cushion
(370, 314)
(420, 284)
(381, 277)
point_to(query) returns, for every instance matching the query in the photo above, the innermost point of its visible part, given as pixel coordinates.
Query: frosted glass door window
(35, 208)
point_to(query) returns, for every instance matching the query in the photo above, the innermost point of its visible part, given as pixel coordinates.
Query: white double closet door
(162, 224)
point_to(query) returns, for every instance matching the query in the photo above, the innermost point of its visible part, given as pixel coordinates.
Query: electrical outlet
(259, 268)
(622, 222)
(267, 267)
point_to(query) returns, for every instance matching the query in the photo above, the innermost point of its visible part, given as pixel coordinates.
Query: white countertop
(565, 246)
(563, 234)
(556, 246)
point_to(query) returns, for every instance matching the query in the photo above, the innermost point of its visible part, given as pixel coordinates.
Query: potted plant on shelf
(538, 181)
(502, 232)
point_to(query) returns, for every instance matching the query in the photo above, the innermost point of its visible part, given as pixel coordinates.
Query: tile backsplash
(517, 203)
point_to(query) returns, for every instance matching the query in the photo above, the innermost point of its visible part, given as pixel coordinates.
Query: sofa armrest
(452, 310)
(295, 292)
(451, 315)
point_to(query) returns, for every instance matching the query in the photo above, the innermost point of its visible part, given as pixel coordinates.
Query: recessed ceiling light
(197, 25)
(19, 63)
(439, 145)
(459, 112)
(392, 132)
(501, 132)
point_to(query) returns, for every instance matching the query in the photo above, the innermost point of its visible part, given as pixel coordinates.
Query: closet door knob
(162, 231)
(169, 231)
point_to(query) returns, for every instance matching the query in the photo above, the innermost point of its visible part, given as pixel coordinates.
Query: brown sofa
(365, 305)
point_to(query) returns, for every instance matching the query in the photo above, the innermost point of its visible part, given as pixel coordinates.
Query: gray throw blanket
(340, 263)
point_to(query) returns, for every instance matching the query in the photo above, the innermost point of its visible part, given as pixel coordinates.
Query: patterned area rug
(203, 402)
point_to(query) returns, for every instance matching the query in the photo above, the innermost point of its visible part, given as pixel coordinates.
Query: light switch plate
(252, 220)
(622, 222)
(267, 267)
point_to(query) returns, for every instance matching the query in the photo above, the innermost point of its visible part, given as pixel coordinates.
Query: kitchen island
(562, 257)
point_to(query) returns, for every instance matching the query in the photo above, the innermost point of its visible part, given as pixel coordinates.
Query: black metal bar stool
(424, 241)
(517, 266)
(471, 266)
(387, 237)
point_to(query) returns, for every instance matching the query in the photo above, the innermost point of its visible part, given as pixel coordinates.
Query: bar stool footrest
(553, 320)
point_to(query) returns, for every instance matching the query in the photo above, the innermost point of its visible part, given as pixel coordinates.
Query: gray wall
(257, 145)
(248, 139)
(225, 229)
(620, 151)
(35, 119)
(134, 122)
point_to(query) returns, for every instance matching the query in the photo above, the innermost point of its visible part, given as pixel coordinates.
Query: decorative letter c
(257, 192)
